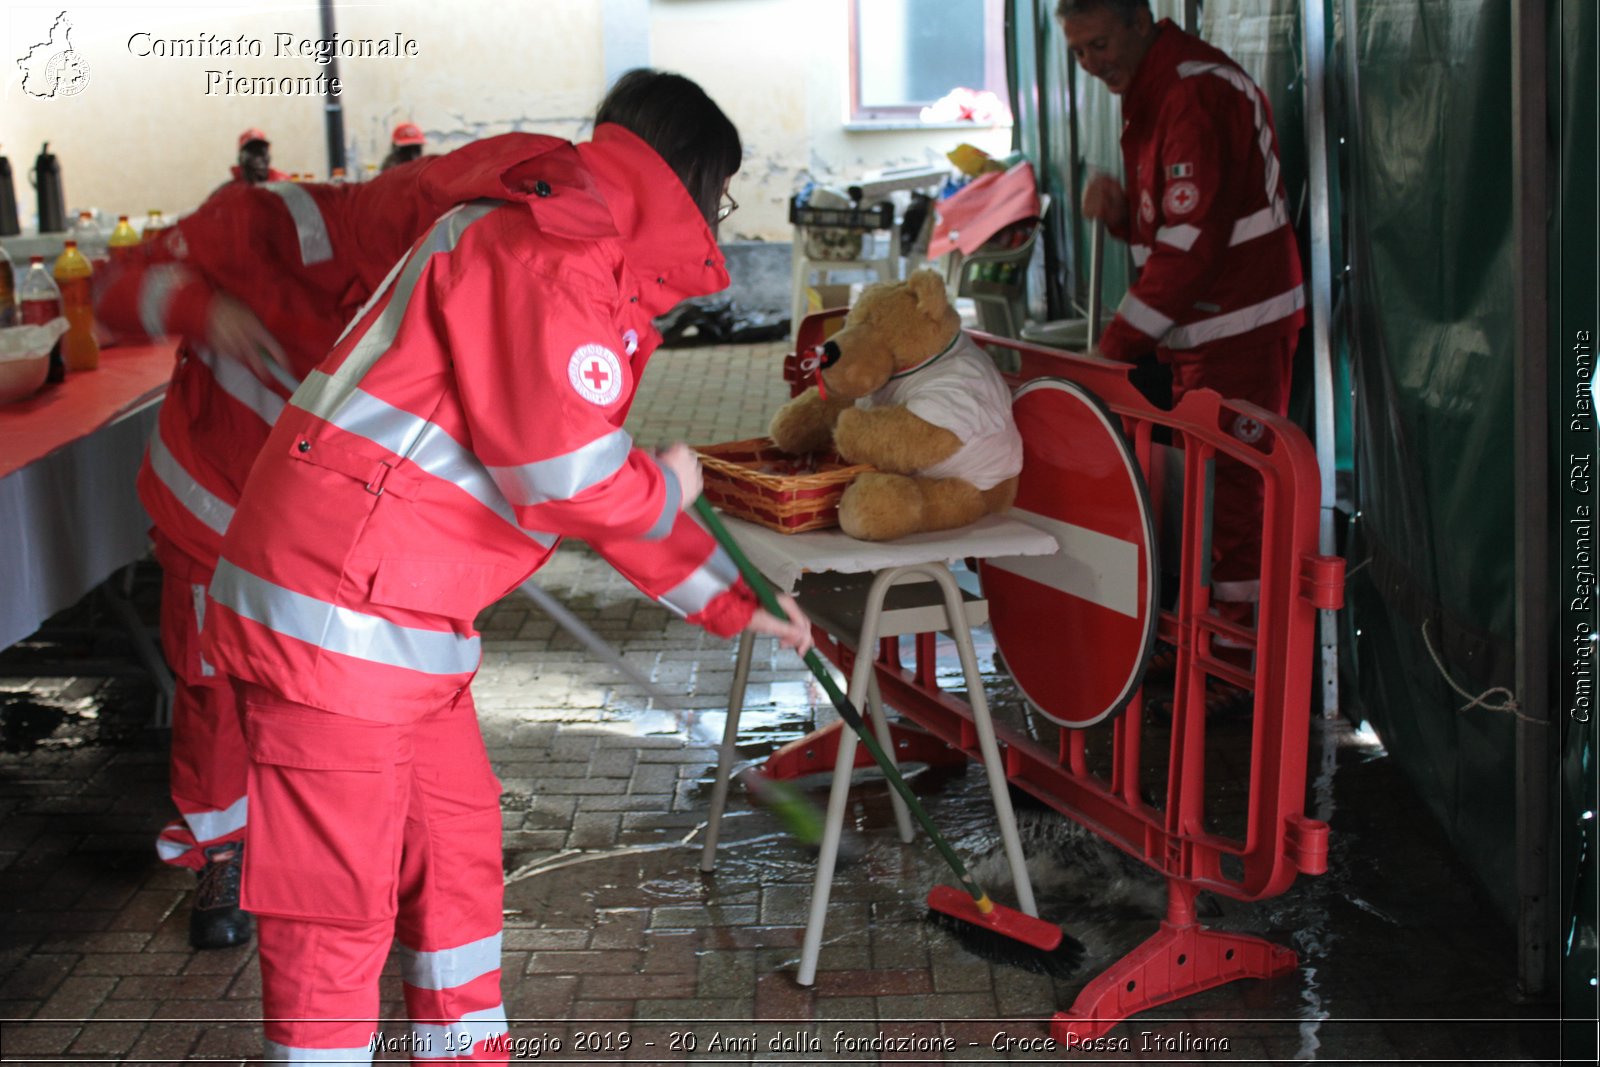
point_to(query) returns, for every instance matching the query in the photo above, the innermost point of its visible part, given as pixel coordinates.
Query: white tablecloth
(784, 557)
(70, 519)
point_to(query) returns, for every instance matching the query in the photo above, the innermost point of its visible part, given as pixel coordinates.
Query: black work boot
(217, 920)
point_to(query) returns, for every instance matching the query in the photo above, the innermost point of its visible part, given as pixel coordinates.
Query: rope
(1510, 705)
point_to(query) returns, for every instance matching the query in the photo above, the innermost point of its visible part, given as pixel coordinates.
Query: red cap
(407, 133)
(252, 134)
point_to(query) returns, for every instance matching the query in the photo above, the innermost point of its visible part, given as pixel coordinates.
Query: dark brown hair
(687, 129)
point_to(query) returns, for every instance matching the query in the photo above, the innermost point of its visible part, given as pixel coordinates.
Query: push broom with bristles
(991, 930)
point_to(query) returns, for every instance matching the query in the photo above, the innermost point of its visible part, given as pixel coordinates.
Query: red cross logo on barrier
(596, 374)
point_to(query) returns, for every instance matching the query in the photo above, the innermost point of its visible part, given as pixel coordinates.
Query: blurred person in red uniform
(405, 144)
(255, 160)
(469, 418)
(1218, 296)
(257, 283)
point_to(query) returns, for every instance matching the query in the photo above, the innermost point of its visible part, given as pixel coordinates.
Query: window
(907, 54)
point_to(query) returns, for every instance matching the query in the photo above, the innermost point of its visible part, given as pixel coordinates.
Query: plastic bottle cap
(36, 261)
(72, 244)
(122, 218)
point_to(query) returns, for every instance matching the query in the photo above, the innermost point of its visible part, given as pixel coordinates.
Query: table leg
(725, 752)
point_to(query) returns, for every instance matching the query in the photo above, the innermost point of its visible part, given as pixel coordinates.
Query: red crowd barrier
(1098, 775)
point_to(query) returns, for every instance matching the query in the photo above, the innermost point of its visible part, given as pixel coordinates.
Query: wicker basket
(788, 503)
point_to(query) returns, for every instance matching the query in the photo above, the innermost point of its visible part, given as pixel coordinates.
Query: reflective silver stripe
(235, 379)
(444, 236)
(377, 295)
(713, 578)
(1140, 254)
(342, 630)
(212, 511)
(309, 225)
(1239, 81)
(1180, 237)
(1144, 318)
(1260, 223)
(430, 1042)
(448, 968)
(669, 509)
(167, 851)
(210, 825)
(276, 1053)
(1236, 322)
(155, 293)
(564, 477)
(422, 442)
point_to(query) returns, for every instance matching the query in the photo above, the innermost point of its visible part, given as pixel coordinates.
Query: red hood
(614, 186)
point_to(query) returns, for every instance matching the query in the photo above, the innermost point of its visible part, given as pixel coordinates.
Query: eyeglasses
(727, 207)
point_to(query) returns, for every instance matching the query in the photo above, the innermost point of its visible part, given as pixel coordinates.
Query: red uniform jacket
(1208, 221)
(470, 417)
(304, 258)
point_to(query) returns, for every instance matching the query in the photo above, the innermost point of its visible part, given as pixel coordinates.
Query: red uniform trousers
(208, 758)
(1258, 372)
(363, 833)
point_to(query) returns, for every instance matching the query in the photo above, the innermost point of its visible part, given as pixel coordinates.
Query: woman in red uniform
(469, 418)
(275, 269)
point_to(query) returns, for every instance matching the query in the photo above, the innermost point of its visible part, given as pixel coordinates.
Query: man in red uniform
(469, 417)
(258, 282)
(255, 160)
(405, 144)
(1219, 295)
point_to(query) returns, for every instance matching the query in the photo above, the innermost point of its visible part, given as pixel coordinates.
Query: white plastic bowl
(25, 358)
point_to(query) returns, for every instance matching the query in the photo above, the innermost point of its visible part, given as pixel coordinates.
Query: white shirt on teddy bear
(961, 390)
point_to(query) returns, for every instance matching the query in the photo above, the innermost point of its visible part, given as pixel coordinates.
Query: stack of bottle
(43, 296)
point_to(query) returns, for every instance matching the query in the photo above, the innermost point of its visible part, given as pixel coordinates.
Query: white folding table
(859, 592)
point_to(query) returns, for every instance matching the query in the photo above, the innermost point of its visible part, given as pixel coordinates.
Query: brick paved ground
(617, 947)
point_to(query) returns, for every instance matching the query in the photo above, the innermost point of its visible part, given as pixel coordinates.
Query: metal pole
(333, 111)
(1314, 50)
(1074, 177)
(1536, 733)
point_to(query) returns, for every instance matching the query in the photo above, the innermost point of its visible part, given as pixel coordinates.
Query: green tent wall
(1424, 330)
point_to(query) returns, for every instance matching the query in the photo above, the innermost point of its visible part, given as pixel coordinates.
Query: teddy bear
(902, 388)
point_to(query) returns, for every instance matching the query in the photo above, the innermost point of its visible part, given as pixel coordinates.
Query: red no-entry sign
(1076, 628)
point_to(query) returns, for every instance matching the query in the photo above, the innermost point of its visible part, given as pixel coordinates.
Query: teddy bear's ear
(928, 288)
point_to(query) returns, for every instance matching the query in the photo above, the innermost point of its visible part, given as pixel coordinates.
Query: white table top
(784, 557)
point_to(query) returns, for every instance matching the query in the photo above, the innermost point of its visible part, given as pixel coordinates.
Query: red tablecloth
(128, 376)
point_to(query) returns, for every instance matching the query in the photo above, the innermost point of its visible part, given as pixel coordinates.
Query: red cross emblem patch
(596, 374)
(1181, 198)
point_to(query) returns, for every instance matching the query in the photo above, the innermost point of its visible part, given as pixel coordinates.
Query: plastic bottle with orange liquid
(124, 239)
(73, 274)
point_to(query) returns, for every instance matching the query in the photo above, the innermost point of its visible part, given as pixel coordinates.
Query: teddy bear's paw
(881, 507)
(802, 425)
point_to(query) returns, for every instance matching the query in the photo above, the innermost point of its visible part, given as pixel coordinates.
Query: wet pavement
(618, 949)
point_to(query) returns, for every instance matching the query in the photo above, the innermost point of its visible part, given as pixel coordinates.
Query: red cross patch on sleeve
(596, 374)
(1181, 198)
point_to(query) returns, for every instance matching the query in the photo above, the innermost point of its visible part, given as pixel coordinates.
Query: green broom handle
(841, 703)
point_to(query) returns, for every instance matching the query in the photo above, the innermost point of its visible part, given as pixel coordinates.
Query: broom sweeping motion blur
(799, 816)
(992, 930)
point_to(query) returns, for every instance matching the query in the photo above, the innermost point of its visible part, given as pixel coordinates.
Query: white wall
(145, 133)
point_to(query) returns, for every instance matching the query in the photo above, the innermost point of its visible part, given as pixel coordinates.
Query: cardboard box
(822, 297)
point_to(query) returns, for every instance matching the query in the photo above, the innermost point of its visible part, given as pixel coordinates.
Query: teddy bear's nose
(830, 354)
